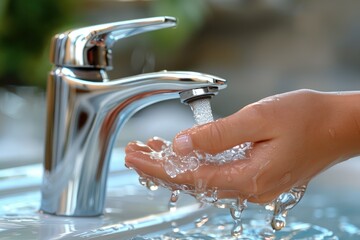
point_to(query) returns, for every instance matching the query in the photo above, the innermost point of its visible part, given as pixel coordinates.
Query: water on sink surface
(219, 227)
(129, 209)
(321, 215)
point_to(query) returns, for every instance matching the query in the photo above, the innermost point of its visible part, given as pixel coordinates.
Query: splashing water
(283, 204)
(236, 212)
(175, 165)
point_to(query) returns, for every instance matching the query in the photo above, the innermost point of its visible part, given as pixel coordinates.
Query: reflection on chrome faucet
(86, 110)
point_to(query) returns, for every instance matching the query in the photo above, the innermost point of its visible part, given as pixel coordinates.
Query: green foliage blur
(191, 16)
(26, 28)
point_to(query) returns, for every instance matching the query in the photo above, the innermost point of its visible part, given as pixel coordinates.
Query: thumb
(246, 125)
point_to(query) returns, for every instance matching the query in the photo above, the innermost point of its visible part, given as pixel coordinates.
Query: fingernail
(183, 144)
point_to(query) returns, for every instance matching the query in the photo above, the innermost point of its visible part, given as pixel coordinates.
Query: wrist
(344, 121)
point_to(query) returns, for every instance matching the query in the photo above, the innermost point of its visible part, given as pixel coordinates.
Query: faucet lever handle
(90, 47)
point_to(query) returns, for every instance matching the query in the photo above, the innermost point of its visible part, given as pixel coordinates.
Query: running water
(175, 165)
(202, 111)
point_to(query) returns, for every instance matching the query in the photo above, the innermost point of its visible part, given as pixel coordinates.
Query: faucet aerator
(194, 94)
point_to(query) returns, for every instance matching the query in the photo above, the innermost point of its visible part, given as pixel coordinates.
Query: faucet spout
(84, 118)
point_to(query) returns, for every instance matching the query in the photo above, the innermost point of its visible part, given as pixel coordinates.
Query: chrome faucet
(86, 110)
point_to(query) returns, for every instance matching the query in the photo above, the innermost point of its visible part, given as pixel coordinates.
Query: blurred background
(262, 47)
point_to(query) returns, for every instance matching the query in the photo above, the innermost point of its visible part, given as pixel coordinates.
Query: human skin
(295, 136)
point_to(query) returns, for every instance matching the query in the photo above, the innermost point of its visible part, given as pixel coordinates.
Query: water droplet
(201, 221)
(173, 200)
(142, 181)
(332, 133)
(283, 204)
(237, 229)
(278, 222)
(200, 185)
(236, 211)
(151, 185)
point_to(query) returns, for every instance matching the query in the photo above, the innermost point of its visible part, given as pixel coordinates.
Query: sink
(130, 208)
(331, 203)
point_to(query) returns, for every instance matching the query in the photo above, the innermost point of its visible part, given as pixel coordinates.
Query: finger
(137, 146)
(250, 124)
(156, 143)
(249, 177)
(232, 180)
(144, 164)
(194, 181)
(234, 176)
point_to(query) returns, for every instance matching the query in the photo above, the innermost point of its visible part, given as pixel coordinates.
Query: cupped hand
(294, 137)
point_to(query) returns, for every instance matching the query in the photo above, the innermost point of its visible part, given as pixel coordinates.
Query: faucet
(86, 110)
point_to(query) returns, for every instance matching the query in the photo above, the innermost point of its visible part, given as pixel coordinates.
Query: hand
(295, 136)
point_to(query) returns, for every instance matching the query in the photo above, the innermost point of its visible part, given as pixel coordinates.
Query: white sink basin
(130, 208)
(331, 202)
